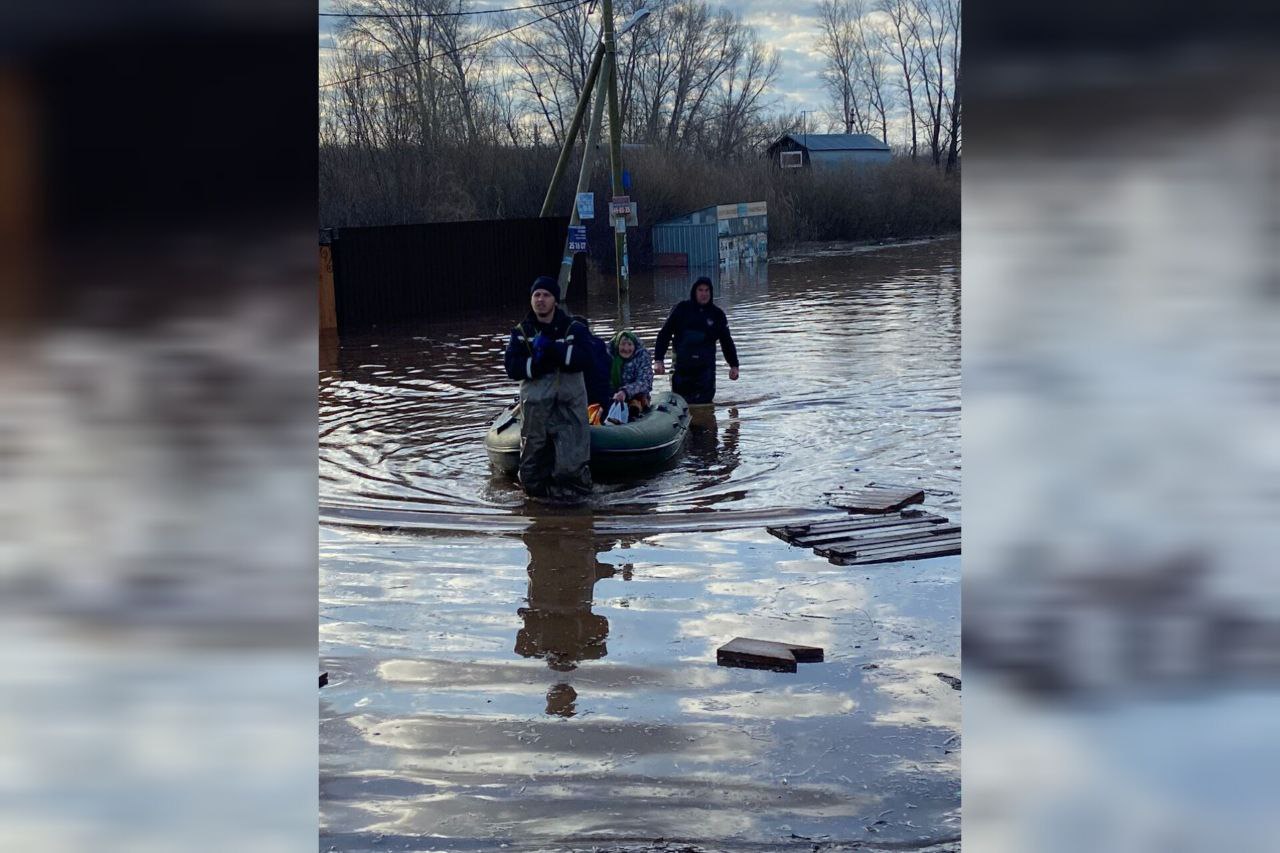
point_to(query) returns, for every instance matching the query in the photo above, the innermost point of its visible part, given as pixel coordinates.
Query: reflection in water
(439, 731)
(717, 461)
(559, 626)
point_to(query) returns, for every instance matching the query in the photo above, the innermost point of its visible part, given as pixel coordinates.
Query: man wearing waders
(692, 329)
(555, 445)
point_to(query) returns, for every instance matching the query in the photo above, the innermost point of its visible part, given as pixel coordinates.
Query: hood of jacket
(693, 290)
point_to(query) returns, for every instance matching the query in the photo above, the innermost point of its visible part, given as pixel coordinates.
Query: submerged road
(509, 676)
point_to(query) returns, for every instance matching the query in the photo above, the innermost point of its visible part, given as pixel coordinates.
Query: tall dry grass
(897, 200)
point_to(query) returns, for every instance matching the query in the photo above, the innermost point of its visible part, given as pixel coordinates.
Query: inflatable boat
(651, 439)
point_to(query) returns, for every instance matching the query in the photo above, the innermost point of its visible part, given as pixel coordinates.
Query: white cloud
(791, 28)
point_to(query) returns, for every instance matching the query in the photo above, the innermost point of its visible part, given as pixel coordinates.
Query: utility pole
(572, 133)
(615, 163)
(584, 173)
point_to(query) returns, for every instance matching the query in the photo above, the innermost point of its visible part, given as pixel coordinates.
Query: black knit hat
(547, 283)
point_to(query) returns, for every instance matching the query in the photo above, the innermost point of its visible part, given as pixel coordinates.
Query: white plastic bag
(617, 413)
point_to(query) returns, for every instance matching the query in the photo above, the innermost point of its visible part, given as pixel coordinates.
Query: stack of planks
(907, 535)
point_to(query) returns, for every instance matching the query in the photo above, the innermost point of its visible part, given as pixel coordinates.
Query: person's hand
(733, 373)
(621, 397)
(659, 369)
(543, 360)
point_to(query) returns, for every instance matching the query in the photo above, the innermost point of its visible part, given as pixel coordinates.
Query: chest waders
(555, 445)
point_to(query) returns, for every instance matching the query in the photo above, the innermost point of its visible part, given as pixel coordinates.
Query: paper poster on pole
(620, 224)
(586, 205)
(577, 238)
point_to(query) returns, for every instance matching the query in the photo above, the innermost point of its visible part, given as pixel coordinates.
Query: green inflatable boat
(653, 438)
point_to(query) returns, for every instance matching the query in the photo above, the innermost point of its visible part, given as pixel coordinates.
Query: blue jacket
(596, 373)
(536, 349)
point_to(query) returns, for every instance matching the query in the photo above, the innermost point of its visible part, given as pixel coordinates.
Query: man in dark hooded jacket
(692, 330)
(555, 445)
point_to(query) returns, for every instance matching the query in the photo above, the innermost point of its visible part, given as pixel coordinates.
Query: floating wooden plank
(875, 498)
(870, 533)
(857, 548)
(904, 545)
(878, 524)
(907, 547)
(949, 679)
(801, 526)
(790, 530)
(765, 654)
(876, 521)
(878, 538)
(889, 542)
(924, 550)
(909, 534)
(793, 531)
(904, 557)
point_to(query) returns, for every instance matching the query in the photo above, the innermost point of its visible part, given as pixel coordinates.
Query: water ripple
(850, 373)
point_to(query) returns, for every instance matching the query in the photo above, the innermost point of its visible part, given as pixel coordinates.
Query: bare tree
(654, 71)
(553, 56)
(508, 108)
(842, 71)
(931, 33)
(682, 57)
(904, 50)
(629, 50)
(416, 67)
(854, 74)
(702, 42)
(465, 62)
(871, 44)
(951, 9)
(410, 69)
(739, 103)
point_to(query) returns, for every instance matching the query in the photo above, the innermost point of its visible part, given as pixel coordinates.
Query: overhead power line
(440, 14)
(455, 50)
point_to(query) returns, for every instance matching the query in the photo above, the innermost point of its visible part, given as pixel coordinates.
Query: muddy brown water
(507, 675)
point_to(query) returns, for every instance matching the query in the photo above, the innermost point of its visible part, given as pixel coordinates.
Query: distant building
(723, 235)
(827, 150)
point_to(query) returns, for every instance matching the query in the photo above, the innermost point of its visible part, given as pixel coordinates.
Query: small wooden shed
(828, 150)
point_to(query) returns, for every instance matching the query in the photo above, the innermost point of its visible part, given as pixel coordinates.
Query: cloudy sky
(790, 26)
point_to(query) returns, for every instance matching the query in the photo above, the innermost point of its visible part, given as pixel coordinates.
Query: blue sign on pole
(577, 238)
(626, 180)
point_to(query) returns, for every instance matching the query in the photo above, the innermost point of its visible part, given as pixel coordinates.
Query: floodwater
(509, 675)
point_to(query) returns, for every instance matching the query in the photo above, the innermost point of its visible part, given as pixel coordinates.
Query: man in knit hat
(555, 445)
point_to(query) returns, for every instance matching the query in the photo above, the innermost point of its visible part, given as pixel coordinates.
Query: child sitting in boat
(632, 373)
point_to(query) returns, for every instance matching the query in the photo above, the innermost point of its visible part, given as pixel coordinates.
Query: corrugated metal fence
(697, 243)
(407, 272)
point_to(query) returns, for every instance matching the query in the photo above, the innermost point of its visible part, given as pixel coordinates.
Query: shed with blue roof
(824, 150)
